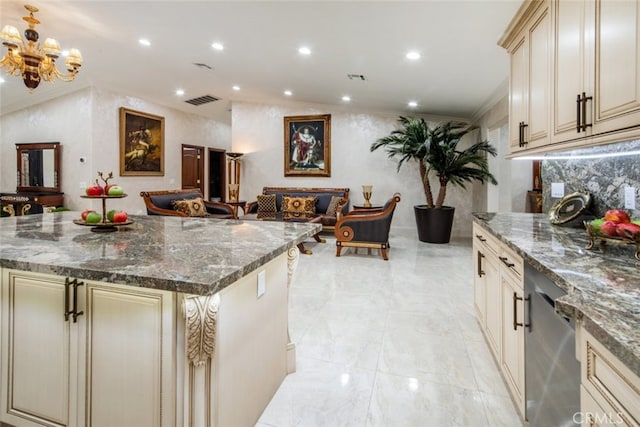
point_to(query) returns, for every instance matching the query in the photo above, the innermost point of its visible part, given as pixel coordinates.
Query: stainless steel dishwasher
(552, 373)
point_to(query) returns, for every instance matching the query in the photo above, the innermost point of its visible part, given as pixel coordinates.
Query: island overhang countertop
(603, 289)
(191, 255)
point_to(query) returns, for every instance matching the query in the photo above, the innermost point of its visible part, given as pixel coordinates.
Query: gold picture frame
(141, 143)
(307, 145)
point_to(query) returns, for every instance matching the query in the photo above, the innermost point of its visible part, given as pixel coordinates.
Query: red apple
(95, 190)
(120, 216)
(84, 214)
(616, 215)
(107, 187)
(609, 228)
(628, 230)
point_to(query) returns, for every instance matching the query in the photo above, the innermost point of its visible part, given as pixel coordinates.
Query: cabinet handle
(479, 237)
(505, 261)
(578, 113)
(76, 313)
(524, 125)
(480, 272)
(516, 298)
(66, 299)
(584, 124)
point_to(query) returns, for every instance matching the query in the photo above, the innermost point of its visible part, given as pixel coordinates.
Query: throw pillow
(266, 203)
(333, 205)
(190, 207)
(299, 207)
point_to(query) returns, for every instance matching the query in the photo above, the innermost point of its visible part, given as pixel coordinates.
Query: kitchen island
(603, 296)
(167, 322)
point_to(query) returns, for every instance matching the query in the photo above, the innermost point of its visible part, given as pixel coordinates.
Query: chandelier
(32, 61)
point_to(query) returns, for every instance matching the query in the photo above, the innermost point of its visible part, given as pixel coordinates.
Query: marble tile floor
(391, 343)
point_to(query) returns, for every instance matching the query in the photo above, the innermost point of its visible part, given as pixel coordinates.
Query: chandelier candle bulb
(367, 190)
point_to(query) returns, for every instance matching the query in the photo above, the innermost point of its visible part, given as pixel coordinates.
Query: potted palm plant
(437, 152)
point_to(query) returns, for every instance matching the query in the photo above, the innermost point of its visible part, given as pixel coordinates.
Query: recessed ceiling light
(413, 55)
(179, 92)
(412, 104)
(1, 80)
(346, 98)
(304, 50)
(288, 93)
(217, 46)
(236, 87)
(144, 42)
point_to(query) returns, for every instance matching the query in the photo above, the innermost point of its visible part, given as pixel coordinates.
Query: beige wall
(86, 123)
(258, 130)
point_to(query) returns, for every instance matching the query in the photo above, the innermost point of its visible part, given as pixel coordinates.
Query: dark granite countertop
(191, 255)
(603, 289)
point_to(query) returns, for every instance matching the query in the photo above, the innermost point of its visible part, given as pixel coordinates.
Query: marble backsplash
(603, 171)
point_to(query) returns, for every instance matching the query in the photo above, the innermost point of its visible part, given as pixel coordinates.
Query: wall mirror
(38, 167)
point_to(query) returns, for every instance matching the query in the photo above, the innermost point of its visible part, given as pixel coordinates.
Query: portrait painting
(141, 144)
(307, 145)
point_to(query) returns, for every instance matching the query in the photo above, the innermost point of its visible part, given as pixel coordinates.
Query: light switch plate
(557, 189)
(262, 283)
(629, 197)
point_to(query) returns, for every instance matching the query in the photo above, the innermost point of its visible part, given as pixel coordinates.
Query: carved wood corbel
(200, 329)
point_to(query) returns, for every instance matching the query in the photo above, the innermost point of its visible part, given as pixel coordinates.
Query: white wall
(258, 131)
(86, 123)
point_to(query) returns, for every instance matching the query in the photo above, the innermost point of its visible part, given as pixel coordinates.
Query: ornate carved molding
(293, 254)
(200, 329)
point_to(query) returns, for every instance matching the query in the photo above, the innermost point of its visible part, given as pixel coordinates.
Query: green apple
(116, 190)
(110, 214)
(93, 218)
(596, 224)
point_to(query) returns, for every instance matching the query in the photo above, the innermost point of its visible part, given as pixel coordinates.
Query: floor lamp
(233, 176)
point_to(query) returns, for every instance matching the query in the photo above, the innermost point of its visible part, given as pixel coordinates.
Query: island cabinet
(77, 352)
(529, 85)
(499, 305)
(609, 391)
(596, 69)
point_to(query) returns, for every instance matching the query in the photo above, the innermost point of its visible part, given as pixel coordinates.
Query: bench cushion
(298, 207)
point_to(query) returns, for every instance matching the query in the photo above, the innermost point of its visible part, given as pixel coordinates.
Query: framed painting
(307, 145)
(141, 144)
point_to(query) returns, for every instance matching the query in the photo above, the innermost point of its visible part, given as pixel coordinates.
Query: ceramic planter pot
(434, 225)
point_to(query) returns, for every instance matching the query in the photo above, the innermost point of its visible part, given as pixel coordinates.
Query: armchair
(366, 228)
(161, 203)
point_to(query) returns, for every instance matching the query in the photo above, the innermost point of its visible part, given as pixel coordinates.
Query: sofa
(184, 203)
(324, 198)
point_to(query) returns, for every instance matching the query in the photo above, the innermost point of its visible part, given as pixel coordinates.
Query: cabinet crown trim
(519, 21)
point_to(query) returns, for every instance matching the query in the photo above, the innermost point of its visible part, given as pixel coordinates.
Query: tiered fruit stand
(104, 225)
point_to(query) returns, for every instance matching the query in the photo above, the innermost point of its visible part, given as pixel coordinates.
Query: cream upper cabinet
(529, 84)
(596, 68)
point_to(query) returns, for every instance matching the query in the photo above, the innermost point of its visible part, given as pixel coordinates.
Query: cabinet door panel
(479, 286)
(35, 350)
(513, 339)
(517, 93)
(493, 313)
(617, 89)
(128, 357)
(539, 86)
(568, 69)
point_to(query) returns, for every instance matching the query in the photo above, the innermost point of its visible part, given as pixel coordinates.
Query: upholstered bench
(184, 203)
(297, 203)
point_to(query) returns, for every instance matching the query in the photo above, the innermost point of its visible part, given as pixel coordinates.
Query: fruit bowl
(596, 236)
(102, 226)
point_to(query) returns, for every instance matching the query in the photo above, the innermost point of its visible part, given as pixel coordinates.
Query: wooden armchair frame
(366, 228)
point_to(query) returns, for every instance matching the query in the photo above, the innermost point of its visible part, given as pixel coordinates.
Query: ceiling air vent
(356, 77)
(202, 100)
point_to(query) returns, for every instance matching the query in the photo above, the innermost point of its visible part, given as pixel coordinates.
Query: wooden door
(36, 351)
(217, 173)
(193, 168)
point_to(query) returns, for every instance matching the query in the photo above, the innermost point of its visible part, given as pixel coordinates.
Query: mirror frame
(55, 146)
